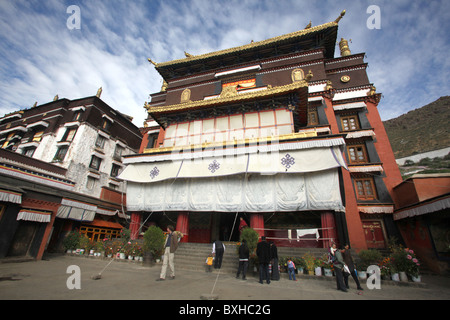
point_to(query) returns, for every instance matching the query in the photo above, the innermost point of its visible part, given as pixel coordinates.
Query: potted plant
(318, 267)
(367, 258)
(251, 237)
(327, 266)
(300, 264)
(385, 268)
(310, 262)
(413, 266)
(85, 244)
(71, 241)
(153, 243)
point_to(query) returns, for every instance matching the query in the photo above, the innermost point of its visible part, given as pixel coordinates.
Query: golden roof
(308, 30)
(233, 98)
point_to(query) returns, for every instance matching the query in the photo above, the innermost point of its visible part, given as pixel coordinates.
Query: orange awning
(104, 224)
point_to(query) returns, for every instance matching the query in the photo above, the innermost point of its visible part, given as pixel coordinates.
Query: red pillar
(135, 225)
(328, 222)
(257, 223)
(183, 225)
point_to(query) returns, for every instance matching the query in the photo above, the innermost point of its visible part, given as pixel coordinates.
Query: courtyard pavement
(127, 280)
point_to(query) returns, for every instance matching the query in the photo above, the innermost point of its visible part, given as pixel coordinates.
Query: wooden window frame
(348, 118)
(366, 195)
(357, 161)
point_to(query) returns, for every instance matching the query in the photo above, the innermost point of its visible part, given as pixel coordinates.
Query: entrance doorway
(374, 233)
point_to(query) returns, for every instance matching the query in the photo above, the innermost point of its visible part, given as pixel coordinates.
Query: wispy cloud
(40, 57)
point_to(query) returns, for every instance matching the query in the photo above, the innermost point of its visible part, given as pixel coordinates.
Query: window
(357, 154)
(77, 115)
(95, 163)
(350, 123)
(29, 151)
(37, 136)
(115, 170)
(365, 189)
(106, 125)
(118, 151)
(313, 117)
(69, 135)
(61, 153)
(100, 142)
(90, 184)
(152, 138)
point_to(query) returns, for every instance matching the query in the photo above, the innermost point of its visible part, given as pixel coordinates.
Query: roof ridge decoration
(307, 30)
(228, 97)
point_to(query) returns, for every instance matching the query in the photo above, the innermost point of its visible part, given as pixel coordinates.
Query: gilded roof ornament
(309, 76)
(340, 16)
(56, 98)
(99, 92)
(152, 62)
(188, 55)
(308, 25)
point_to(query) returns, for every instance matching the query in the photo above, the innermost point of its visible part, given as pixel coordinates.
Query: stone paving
(128, 280)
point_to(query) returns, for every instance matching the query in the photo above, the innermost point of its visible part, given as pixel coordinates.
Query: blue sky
(40, 57)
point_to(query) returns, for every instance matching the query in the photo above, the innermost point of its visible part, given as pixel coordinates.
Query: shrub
(369, 257)
(154, 241)
(251, 236)
(72, 240)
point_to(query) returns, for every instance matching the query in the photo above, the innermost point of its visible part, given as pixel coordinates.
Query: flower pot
(403, 276)
(318, 271)
(362, 275)
(91, 252)
(109, 255)
(327, 272)
(416, 279)
(130, 257)
(395, 277)
(300, 270)
(69, 251)
(122, 255)
(311, 272)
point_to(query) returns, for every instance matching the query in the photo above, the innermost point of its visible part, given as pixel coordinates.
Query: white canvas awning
(34, 215)
(240, 192)
(265, 163)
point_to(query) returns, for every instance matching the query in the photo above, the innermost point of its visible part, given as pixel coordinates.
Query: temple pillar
(135, 225)
(329, 232)
(257, 223)
(183, 225)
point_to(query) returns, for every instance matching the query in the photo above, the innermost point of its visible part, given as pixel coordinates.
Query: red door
(373, 231)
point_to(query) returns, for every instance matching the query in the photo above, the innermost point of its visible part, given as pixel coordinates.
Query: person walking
(218, 250)
(339, 268)
(263, 253)
(170, 246)
(349, 262)
(244, 255)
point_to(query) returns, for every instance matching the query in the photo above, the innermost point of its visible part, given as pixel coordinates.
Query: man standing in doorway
(169, 253)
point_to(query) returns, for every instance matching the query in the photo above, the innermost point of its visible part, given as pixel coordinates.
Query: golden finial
(188, 55)
(309, 75)
(56, 98)
(35, 104)
(329, 85)
(152, 62)
(99, 92)
(345, 50)
(372, 91)
(308, 25)
(340, 16)
(146, 105)
(164, 86)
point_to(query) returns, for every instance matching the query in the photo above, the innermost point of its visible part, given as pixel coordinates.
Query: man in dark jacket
(263, 253)
(218, 250)
(349, 262)
(244, 254)
(339, 268)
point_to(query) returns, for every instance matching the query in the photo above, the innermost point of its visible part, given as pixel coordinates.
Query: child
(209, 262)
(291, 269)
